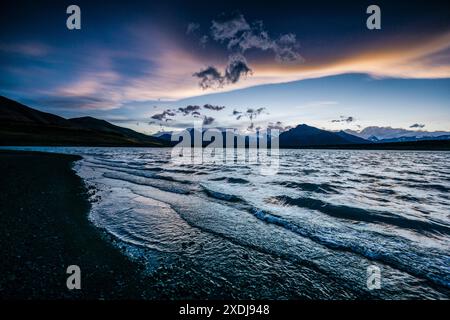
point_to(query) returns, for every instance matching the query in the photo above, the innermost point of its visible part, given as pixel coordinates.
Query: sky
(152, 66)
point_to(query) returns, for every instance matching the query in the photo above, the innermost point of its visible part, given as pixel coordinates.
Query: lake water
(312, 230)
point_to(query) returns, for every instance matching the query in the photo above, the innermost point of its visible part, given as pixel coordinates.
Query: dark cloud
(253, 113)
(417, 125)
(236, 68)
(209, 78)
(192, 110)
(250, 113)
(188, 109)
(214, 108)
(344, 119)
(239, 36)
(208, 120)
(164, 115)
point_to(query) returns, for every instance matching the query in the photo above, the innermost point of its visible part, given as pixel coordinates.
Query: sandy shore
(44, 229)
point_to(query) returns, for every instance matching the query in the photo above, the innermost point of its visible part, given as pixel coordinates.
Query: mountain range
(388, 134)
(24, 126)
(304, 135)
(21, 125)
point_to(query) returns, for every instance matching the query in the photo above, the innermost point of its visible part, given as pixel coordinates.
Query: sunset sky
(140, 64)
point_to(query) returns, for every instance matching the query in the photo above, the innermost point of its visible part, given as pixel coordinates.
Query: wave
(231, 180)
(306, 186)
(384, 191)
(220, 195)
(169, 178)
(140, 173)
(362, 215)
(408, 198)
(397, 258)
(147, 182)
(437, 187)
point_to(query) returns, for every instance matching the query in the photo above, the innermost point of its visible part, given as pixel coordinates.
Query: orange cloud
(169, 74)
(413, 58)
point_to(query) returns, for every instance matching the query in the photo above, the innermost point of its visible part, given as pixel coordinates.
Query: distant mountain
(167, 135)
(351, 138)
(304, 135)
(22, 125)
(300, 136)
(388, 134)
(409, 139)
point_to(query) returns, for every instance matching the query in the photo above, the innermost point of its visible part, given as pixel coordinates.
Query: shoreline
(44, 228)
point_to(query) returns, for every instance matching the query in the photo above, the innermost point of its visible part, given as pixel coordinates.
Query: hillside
(22, 125)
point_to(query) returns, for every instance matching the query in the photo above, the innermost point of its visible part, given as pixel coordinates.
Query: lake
(311, 230)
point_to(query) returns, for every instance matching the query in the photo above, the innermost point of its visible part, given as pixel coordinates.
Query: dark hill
(21, 125)
(304, 135)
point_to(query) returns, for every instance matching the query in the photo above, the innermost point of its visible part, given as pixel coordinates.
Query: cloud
(31, 49)
(208, 120)
(194, 109)
(278, 126)
(74, 102)
(204, 40)
(236, 68)
(229, 28)
(188, 109)
(214, 108)
(192, 28)
(344, 119)
(417, 125)
(164, 115)
(250, 113)
(239, 36)
(209, 78)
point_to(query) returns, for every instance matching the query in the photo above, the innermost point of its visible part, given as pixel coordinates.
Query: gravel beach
(44, 229)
